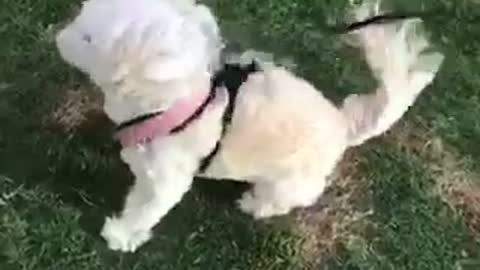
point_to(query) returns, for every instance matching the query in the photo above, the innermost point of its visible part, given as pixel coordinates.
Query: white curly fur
(285, 138)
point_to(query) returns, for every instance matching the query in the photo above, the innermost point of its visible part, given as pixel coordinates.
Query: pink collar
(162, 124)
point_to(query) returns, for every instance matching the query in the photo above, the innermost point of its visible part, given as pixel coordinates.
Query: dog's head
(124, 41)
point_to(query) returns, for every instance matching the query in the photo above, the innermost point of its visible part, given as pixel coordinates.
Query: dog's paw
(260, 208)
(120, 237)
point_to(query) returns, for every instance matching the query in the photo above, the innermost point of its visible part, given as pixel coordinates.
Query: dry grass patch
(339, 215)
(79, 110)
(455, 183)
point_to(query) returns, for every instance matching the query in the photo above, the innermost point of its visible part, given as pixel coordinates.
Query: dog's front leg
(159, 185)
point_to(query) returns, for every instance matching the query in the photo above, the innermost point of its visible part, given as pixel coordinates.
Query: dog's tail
(396, 53)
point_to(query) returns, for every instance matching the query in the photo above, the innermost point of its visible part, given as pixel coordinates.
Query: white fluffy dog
(154, 60)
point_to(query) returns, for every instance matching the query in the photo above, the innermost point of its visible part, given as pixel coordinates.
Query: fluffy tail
(396, 53)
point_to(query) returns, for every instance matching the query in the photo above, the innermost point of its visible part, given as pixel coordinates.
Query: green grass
(54, 190)
(414, 230)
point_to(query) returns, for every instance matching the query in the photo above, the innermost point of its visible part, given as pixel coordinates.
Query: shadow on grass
(87, 175)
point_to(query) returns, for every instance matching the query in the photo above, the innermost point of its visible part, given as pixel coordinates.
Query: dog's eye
(87, 38)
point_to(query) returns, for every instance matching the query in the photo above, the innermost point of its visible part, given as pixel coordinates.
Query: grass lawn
(408, 200)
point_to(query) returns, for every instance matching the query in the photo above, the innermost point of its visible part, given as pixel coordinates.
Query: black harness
(232, 76)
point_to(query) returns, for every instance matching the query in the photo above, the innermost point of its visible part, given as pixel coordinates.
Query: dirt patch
(466, 197)
(79, 111)
(459, 188)
(339, 214)
(455, 183)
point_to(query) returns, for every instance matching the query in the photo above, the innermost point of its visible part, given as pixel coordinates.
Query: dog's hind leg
(268, 199)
